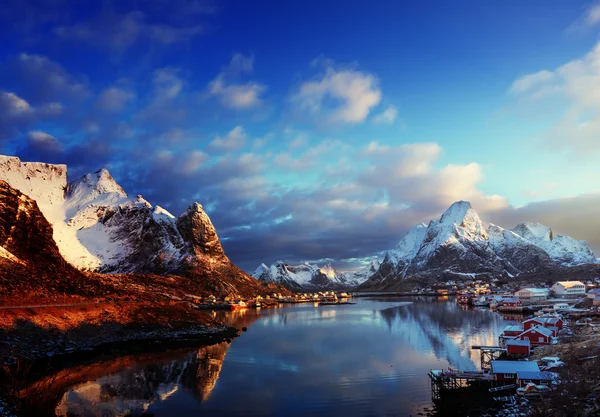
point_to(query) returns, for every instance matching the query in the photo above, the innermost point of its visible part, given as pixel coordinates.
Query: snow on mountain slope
(304, 276)
(459, 243)
(562, 249)
(356, 278)
(97, 226)
(46, 184)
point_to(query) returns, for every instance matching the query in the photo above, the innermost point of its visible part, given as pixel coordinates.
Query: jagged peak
(158, 210)
(95, 184)
(534, 229)
(458, 213)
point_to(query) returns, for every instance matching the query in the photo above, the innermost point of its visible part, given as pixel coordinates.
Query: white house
(568, 289)
(592, 293)
(531, 295)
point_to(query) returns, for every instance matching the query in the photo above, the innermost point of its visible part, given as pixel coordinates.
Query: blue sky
(309, 130)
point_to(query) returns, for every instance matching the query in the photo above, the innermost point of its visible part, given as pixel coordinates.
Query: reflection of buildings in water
(131, 390)
(445, 328)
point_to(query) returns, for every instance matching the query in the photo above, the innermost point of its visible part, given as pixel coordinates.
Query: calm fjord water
(370, 358)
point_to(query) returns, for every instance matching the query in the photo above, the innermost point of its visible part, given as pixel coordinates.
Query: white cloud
(575, 89)
(232, 93)
(13, 105)
(531, 81)
(408, 174)
(114, 99)
(388, 116)
(43, 143)
(167, 84)
(120, 31)
(354, 93)
(589, 19)
(233, 141)
(43, 80)
(193, 162)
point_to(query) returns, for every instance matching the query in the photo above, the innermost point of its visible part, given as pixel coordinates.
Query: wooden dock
(443, 381)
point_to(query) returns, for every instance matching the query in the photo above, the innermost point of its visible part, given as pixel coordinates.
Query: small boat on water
(238, 305)
(481, 302)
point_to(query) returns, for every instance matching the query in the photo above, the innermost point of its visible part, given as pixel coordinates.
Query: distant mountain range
(97, 226)
(458, 245)
(312, 277)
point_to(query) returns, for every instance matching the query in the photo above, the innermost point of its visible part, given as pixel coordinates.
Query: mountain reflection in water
(371, 358)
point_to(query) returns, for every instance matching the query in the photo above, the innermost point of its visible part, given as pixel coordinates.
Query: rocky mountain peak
(94, 184)
(462, 214)
(196, 228)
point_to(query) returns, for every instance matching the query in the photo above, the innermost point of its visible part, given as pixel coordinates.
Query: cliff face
(31, 265)
(97, 226)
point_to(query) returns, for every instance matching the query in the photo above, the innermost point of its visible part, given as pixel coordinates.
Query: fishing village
(548, 360)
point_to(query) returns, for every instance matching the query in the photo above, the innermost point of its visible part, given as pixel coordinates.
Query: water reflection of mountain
(445, 329)
(129, 385)
(132, 390)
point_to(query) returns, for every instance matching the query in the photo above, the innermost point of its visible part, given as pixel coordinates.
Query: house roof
(540, 376)
(550, 320)
(517, 342)
(510, 300)
(594, 291)
(512, 367)
(569, 284)
(541, 330)
(535, 290)
(513, 328)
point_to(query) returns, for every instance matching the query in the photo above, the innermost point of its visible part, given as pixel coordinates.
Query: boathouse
(537, 336)
(506, 371)
(537, 378)
(513, 330)
(518, 347)
(511, 302)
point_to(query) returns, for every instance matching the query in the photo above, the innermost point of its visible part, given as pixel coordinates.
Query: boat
(238, 305)
(481, 302)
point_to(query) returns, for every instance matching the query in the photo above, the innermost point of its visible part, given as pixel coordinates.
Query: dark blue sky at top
(329, 121)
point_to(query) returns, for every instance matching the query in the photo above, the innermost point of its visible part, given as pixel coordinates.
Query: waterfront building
(567, 289)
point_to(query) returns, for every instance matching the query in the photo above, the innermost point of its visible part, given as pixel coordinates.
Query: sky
(310, 131)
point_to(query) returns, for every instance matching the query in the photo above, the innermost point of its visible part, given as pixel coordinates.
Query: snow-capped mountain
(460, 244)
(308, 276)
(96, 225)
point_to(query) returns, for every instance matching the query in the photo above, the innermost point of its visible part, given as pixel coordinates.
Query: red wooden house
(513, 330)
(537, 378)
(511, 302)
(552, 323)
(506, 371)
(537, 336)
(518, 347)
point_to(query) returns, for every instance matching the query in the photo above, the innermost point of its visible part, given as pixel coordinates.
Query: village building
(593, 293)
(513, 330)
(517, 347)
(506, 371)
(548, 322)
(538, 336)
(533, 377)
(511, 302)
(531, 295)
(568, 289)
